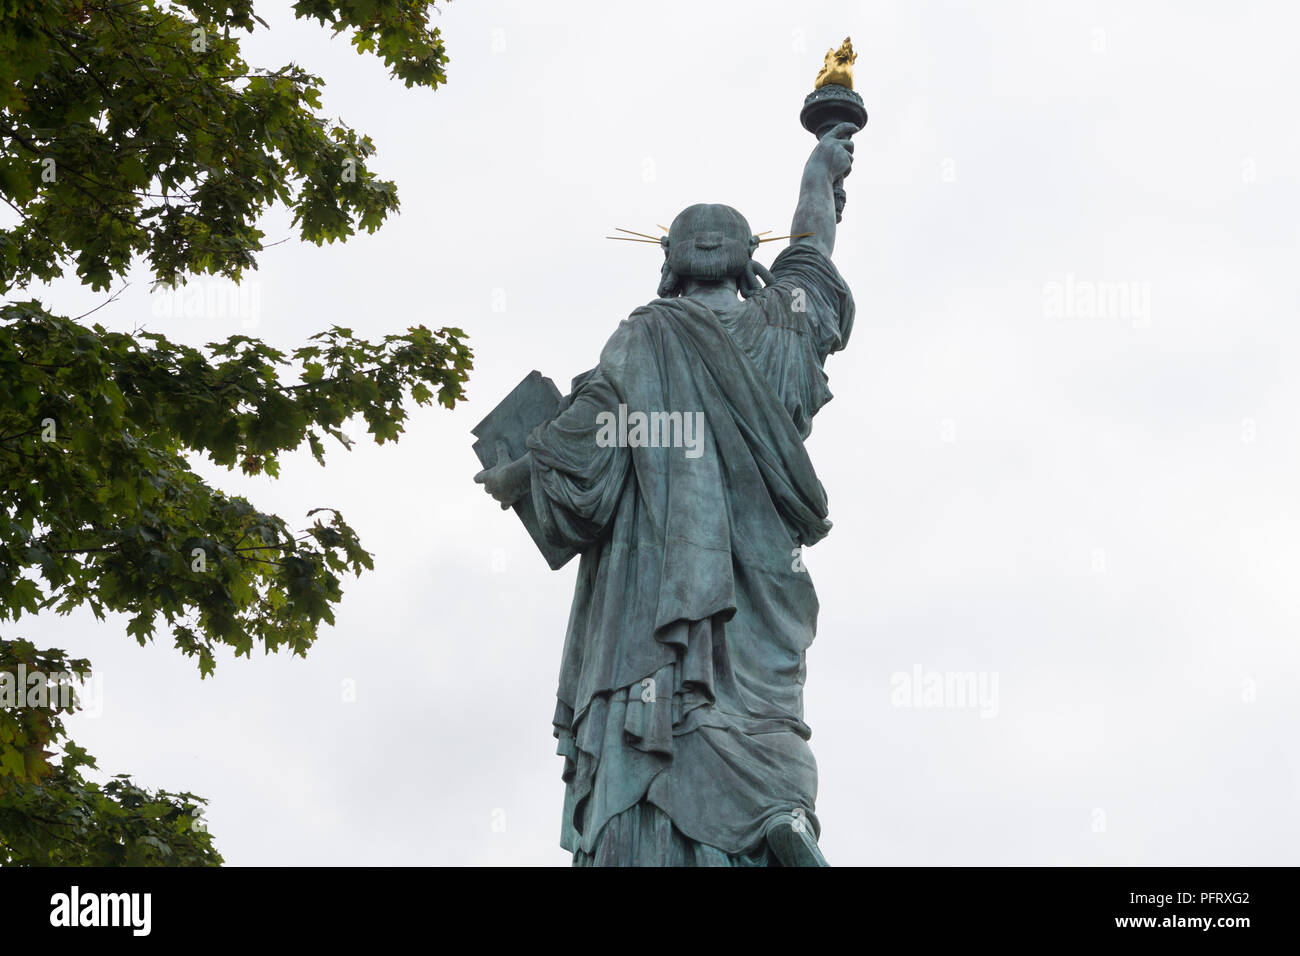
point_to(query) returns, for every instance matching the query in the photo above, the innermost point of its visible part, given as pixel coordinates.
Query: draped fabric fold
(682, 673)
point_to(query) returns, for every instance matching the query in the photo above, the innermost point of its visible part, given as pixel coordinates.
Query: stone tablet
(533, 401)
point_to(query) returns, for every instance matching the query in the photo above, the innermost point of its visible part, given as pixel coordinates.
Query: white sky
(1099, 511)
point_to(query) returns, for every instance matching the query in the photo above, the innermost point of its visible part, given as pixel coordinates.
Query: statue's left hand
(506, 481)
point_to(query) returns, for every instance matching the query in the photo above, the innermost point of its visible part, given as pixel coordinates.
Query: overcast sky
(1062, 455)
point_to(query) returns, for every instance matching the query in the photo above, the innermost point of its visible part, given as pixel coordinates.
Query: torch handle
(841, 197)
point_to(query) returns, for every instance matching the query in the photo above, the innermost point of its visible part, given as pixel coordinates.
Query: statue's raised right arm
(831, 159)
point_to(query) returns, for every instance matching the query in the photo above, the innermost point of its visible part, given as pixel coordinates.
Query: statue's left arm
(573, 477)
(831, 159)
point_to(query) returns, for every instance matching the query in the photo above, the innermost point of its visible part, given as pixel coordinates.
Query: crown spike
(641, 234)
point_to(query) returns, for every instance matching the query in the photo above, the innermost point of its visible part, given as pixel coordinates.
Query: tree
(136, 131)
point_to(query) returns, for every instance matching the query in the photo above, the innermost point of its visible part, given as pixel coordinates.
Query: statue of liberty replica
(676, 469)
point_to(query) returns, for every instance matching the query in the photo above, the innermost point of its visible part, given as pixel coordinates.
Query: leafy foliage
(136, 131)
(50, 815)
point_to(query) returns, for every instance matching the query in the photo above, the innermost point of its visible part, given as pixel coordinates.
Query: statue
(676, 469)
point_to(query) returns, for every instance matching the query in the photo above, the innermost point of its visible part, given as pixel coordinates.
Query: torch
(833, 101)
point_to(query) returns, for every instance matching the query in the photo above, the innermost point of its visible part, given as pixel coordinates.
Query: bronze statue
(677, 469)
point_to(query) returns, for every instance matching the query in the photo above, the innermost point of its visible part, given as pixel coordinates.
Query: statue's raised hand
(834, 151)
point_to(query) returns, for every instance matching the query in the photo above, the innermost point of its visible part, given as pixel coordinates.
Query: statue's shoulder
(640, 328)
(653, 313)
(656, 309)
(629, 337)
(802, 252)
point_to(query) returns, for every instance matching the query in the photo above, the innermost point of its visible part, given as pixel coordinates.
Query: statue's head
(708, 241)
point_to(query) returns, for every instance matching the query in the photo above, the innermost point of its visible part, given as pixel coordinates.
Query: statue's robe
(681, 683)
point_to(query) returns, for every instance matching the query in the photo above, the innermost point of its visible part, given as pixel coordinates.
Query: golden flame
(838, 68)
